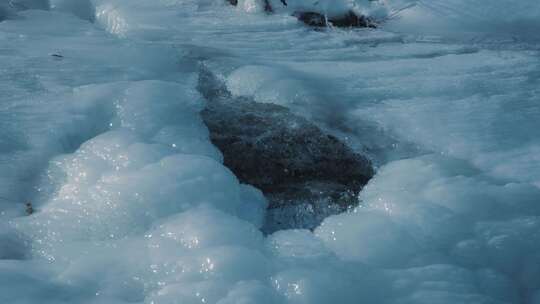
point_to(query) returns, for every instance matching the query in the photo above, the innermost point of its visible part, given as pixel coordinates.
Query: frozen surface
(100, 131)
(458, 17)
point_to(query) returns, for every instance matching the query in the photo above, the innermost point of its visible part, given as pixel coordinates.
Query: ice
(5, 12)
(13, 246)
(383, 243)
(459, 17)
(16, 277)
(442, 220)
(297, 244)
(447, 284)
(250, 292)
(329, 8)
(83, 9)
(28, 4)
(100, 132)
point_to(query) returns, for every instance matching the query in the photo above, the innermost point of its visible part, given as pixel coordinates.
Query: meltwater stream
(101, 133)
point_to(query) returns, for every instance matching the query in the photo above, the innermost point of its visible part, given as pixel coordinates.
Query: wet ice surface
(100, 130)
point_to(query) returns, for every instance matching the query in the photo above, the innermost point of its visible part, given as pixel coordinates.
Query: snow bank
(463, 234)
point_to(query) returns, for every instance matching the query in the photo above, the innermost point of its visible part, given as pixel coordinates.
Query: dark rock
(312, 19)
(286, 156)
(57, 56)
(350, 19)
(29, 209)
(282, 154)
(268, 7)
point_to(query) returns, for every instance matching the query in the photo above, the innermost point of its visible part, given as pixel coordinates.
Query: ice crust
(100, 130)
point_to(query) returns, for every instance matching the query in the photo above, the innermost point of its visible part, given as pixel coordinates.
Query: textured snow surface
(100, 130)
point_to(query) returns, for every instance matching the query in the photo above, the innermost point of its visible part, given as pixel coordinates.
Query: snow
(100, 130)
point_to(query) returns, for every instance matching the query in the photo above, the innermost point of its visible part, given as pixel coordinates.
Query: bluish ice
(100, 131)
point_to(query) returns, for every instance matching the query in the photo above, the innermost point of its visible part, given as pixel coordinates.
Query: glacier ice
(100, 130)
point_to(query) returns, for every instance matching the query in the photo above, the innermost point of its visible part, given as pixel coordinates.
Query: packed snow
(101, 134)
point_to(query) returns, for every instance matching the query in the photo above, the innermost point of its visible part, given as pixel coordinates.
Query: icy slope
(101, 132)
